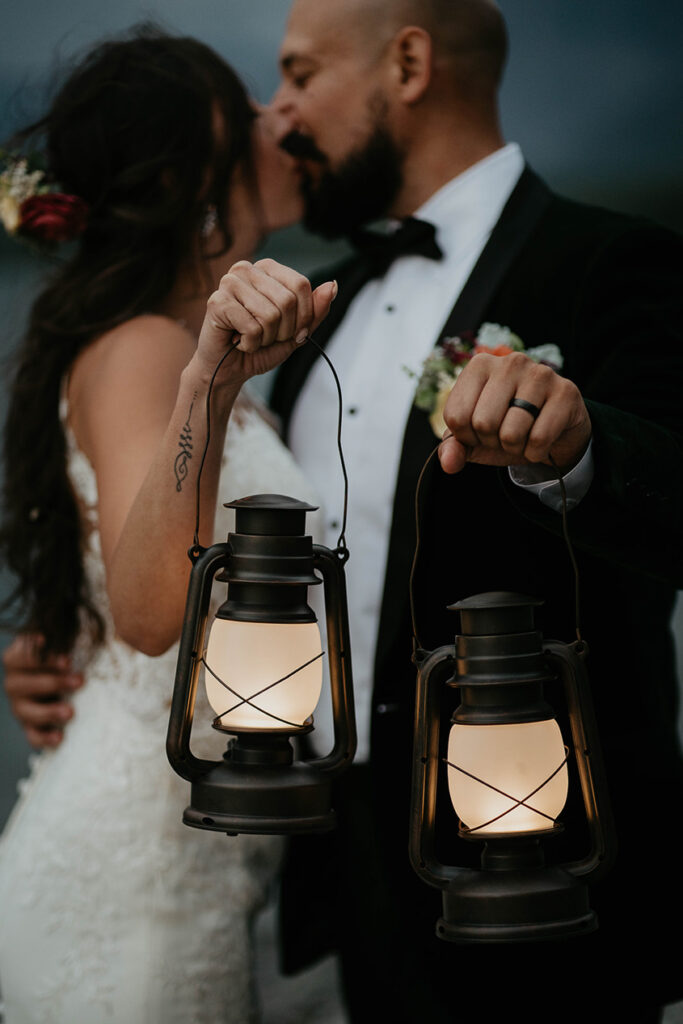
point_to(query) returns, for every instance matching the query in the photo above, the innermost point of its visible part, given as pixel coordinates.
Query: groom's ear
(411, 57)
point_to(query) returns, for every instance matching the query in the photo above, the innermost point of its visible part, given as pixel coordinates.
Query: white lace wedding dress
(112, 910)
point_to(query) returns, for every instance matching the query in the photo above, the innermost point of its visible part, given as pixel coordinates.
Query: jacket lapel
(525, 207)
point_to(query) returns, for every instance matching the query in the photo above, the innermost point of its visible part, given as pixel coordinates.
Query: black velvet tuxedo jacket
(607, 290)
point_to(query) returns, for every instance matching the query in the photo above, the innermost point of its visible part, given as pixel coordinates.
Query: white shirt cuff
(542, 481)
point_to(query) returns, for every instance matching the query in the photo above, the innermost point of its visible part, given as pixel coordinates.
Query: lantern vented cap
(496, 613)
(273, 514)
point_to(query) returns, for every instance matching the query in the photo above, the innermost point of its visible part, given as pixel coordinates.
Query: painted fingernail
(301, 337)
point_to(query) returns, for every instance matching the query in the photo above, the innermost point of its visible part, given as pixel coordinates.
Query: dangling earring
(209, 221)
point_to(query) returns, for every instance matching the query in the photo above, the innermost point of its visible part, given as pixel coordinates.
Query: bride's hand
(268, 308)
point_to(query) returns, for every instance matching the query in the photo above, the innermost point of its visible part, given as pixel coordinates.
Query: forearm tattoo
(185, 454)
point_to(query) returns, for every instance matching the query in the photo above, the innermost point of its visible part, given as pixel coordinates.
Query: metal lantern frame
(501, 665)
(259, 787)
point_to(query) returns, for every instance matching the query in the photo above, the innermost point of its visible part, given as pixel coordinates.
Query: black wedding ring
(521, 403)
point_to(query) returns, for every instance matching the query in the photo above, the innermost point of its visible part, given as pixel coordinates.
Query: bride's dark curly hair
(131, 132)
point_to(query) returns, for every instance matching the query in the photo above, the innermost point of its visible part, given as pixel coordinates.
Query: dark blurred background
(592, 94)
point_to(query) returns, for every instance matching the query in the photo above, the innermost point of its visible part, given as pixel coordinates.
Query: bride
(112, 910)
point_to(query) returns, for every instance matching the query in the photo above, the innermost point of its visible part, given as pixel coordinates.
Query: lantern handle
(426, 764)
(330, 564)
(206, 564)
(567, 660)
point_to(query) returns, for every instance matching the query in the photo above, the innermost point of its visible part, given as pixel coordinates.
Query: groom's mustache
(303, 146)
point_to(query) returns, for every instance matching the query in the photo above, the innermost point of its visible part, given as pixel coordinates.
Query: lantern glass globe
(501, 765)
(249, 657)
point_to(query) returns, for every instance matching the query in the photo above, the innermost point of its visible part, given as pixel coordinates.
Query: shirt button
(334, 524)
(387, 709)
(353, 409)
(389, 309)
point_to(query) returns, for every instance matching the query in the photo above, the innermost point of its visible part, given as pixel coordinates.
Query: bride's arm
(137, 401)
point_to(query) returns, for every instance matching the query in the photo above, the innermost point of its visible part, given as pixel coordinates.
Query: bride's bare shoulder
(137, 362)
(138, 342)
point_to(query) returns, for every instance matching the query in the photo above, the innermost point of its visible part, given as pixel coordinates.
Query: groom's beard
(361, 189)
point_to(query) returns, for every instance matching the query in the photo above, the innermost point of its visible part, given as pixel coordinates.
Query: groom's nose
(283, 117)
(273, 126)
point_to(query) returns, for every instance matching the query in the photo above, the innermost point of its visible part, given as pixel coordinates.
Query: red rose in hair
(53, 217)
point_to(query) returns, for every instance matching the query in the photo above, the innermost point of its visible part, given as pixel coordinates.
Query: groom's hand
(37, 687)
(487, 430)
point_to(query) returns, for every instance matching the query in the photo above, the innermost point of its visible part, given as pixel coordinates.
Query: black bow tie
(378, 251)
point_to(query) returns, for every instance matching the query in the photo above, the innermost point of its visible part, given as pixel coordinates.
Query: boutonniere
(447, 360)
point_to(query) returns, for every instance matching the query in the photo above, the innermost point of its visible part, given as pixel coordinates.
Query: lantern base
(259, 789)
(526, 905)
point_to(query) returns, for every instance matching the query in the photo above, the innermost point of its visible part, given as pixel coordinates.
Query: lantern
(263, 675)
(506, 767)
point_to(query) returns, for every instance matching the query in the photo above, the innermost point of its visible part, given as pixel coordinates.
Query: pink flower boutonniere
(445, 363)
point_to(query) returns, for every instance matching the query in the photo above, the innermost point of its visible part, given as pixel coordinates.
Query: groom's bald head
(468, 35)
(388, 98)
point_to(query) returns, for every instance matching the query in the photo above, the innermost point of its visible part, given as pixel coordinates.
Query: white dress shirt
(392, 323)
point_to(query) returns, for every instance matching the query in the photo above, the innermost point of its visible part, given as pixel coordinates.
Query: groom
(392, 110)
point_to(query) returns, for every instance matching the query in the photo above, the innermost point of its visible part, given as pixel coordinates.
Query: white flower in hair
(17, 184)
